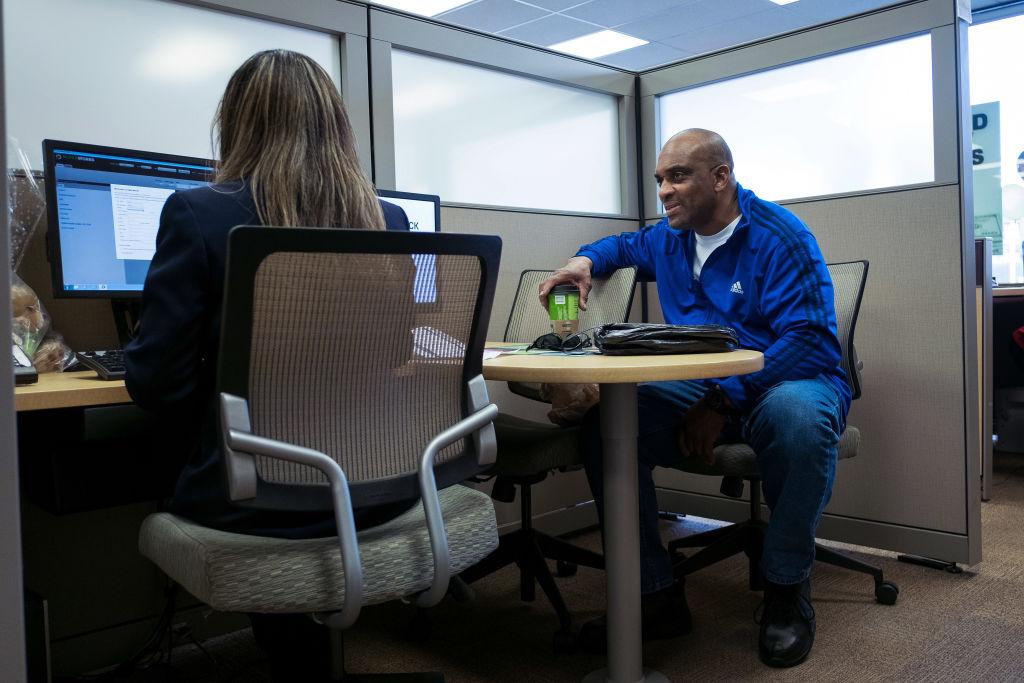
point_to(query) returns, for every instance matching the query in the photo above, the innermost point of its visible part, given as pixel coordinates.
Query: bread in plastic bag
(29, 321)
(569, 402)
(30, 324)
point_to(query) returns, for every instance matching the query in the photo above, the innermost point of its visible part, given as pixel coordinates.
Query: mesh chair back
(609, 302)
(848, 284)
(334, 353)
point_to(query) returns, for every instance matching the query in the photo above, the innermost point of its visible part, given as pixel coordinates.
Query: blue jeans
(794, 428)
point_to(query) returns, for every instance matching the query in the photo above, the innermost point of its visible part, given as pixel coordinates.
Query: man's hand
(575, 272)
(699, 430)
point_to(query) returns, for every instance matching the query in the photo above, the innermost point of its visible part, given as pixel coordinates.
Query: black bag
(641, 339)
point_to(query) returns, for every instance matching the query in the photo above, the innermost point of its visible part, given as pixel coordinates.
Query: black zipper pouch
(640, 339)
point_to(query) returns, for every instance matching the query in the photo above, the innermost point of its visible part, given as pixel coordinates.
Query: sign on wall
(988, 192)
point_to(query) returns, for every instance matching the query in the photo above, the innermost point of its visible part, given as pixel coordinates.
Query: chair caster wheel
(563, 642)
(563, 568)
(886, 592)
(419, 628)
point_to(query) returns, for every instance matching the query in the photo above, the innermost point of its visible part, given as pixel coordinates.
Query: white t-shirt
(706, 245)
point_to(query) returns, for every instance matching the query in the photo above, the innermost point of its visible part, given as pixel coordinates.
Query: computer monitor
(103, 209)
(424, 213)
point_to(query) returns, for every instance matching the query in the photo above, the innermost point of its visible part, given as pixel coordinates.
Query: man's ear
(722, 177)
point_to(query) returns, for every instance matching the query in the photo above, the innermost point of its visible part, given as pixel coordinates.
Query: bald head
(695, 181)
(704, 145)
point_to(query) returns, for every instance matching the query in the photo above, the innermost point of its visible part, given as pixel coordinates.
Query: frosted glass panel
(479, 136)
(854, 121)
(142, 74)
(997, 104)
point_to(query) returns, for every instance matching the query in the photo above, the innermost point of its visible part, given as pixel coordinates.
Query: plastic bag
(25, 204)
(30, 324)
(29, 321)
(569, 402)
(30, 330)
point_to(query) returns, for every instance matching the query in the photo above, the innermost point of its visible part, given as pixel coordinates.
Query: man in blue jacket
(723, 256)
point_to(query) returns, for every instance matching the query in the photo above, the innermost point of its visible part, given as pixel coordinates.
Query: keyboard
(107, 364)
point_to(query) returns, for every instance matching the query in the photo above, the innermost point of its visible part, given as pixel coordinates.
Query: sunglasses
(552, 342)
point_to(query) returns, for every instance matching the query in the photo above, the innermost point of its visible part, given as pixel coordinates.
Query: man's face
(686, 185)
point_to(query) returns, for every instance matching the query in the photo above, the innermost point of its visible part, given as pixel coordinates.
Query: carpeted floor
(967, 626)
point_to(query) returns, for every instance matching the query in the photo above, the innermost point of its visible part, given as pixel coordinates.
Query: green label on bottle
(564, 306)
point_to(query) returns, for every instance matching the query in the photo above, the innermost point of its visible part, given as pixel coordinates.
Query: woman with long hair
(287, 158)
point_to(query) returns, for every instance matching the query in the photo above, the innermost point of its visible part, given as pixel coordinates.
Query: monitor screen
(424, 213)
(103, 207)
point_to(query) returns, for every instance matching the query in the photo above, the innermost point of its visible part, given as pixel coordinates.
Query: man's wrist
(576, 261)
(718, 401)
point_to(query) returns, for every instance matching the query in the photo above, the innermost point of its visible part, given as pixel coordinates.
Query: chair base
(748, 537)
(529, 550)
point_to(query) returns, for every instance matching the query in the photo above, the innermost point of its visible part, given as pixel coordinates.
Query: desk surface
(619, 369)
(69, 390)
(999, 292)
(77, 389)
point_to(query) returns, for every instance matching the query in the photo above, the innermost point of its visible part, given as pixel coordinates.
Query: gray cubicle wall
(531, 238)
(914, 487)
(12, 643)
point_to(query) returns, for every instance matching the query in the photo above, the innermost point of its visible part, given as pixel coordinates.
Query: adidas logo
(736, 288)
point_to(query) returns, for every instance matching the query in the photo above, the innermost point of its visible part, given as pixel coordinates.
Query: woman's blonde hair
(281, 126)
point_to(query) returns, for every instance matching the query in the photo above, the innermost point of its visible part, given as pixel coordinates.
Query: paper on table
(503, 349)
(496, 350)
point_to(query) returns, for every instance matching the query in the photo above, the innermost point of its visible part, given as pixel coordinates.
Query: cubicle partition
(12, 645)
(983, 305)
(914, 486)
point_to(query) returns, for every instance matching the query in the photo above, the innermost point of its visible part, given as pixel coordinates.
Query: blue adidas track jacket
(768, 281)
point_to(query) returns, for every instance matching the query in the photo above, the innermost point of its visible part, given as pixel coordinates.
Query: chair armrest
(238, 437)
(432, 504)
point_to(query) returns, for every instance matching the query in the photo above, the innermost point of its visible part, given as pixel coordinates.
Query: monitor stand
(126, 318)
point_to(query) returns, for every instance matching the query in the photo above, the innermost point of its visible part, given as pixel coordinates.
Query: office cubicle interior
(549, 152)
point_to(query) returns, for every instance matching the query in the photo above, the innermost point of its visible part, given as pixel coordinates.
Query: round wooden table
(618, 377)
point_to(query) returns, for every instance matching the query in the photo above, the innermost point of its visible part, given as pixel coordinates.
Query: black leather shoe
(787, 624)
(663, 614)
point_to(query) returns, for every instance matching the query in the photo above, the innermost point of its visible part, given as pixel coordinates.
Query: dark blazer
(171, 363)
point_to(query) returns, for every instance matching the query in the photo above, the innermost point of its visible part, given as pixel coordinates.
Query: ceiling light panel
(598, 44)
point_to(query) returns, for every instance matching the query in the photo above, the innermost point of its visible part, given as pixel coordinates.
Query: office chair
(336, 390)
(529, 450)
(737, 462)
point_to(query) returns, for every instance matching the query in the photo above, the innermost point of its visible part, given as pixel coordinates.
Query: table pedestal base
(649, 676)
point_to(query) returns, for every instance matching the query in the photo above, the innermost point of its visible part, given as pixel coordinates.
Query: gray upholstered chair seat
(218, 567)
(527, 447)
(739, 459)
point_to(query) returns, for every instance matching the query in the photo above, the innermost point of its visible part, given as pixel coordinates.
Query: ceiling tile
(615, 12)
(555, 5)
(550, 30)
(492, 15)
(737, 31)
(704, 14)
(819, 11)
(656, 26)
(644, 57)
